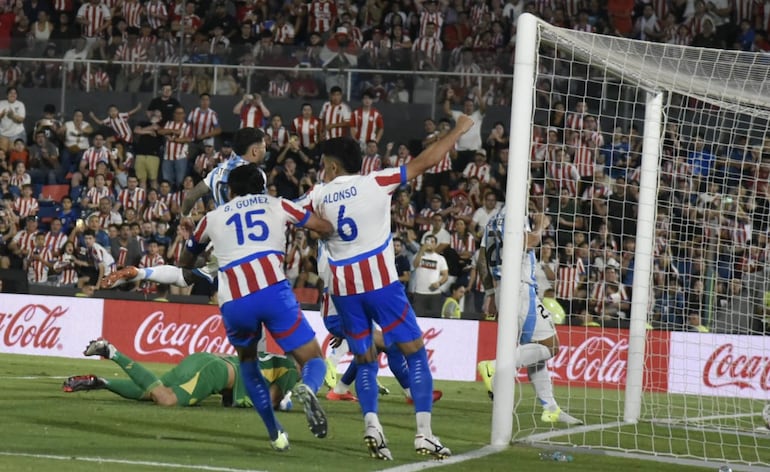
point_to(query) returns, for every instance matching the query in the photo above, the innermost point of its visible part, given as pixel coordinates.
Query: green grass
(38, 418)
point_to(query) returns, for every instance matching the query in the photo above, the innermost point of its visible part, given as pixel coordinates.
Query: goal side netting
(652, 161)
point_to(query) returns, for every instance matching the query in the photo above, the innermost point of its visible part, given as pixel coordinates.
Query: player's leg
(341, 388)
(286, 322)
(244, 329)
(358, 327)
(391, 304)
(165, 274)
(398, 365)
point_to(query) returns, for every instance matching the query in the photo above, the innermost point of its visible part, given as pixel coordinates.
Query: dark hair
(246, 137)
(455, 286)
(335, 89)
(246, 179)
(89, 232)
(344, 149)
(204, 94)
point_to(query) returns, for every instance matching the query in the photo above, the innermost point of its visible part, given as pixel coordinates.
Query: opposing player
(365, 286)
(195, 378)
(538, 341)
(249, 240)
(249, 147)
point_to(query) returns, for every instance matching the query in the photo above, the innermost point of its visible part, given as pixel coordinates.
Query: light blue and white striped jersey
(217, 179)
(493, 242)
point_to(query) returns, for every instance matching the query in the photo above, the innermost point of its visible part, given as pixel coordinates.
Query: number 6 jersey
(249, 240)
(360, 250)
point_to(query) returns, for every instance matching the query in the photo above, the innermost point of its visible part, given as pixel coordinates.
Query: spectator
(178, 134)
(307, 127)
(94, 20)
(135, 53)
(74, 135)
(56, 237)
(44, 161)
(287, 180)
(107, 216)
(39, 261)
(98, 152)
(482, 215)
(427, 49)
(403, 266)
(451, 308)
(19, 155)
(734, 311)
(12, 115)
(95, 194)
(322, 16)
(470, 142)
(366, 122)
(165, 103)
(64, 31)
(41, 31)
(278, 86)
(26, 205)
(23, 242)
(430, 273)
(371, 161)
(147, 147)
(153, 209)
(64, 267)
(478, 168)
(303, 86)
(204, 123)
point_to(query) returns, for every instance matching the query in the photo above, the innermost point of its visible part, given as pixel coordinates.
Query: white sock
(341, 388)
(541, 381)
(371, 419)
(423, 423)
(408, 392)
(531, 354)
(165, 274)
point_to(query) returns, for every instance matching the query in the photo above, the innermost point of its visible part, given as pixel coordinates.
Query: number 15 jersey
(249, 240)
(360, 250)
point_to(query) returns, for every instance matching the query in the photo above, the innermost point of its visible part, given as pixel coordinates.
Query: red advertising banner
(594, 357)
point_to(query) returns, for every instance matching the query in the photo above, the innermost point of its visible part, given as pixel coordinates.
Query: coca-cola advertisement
(164, 332)
(594, 357)
(48, 326)
(720, 365)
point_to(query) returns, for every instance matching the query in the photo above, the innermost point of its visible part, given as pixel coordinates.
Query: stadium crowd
(125, 174)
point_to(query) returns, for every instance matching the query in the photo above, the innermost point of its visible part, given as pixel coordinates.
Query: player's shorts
(535, 321)
(331, 317)
(276, 307)
(197, 377)
(388, 307)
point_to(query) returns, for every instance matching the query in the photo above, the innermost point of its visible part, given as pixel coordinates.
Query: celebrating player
(538, 341)
(249, 242)
(194, 379)
(365, 286)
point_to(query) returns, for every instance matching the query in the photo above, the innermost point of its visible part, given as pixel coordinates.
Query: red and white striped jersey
(150, 260)
(120, 126)
(24, 240)
(96, 16)
(477, 12)
(206, 163)
(427, 213)
(681, 38)
(135, 55)
(568, 278)
(95, 194)
(278, 136)
(373, 48)
(322, 14)
(37, 270)
(175, 199)
(111, 218)
(202, 121)
(334, 114)
(25, 206)
(481, 172)
(450, 222)
(740, 232)
(175, 151)
(427, 17)
(92, 156)
(370, 164)
(307, 130)
(586, 28)
(167, 198)
(398, 161)
(696, 23)
(360, 250)
(11, 76)
(584, 159)
(251, 116)
(65, 266)
(366, 124)
(278, 89)
(102, 257)
(430, 46)
(744, 10)
(96, 80)
(462, 243)
(55, 242)
(19, 180)
(249, 242)
(132, 13)
(405, 213)
(574, 121)
(154, 211)
(597, 190)
(66, 6)
(599, 294)
(147, 42)
(469, 74)
(132, 198)
(157, 14)
(564, 175)
(283, 34)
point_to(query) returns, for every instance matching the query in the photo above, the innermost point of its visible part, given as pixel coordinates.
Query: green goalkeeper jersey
(276, 369)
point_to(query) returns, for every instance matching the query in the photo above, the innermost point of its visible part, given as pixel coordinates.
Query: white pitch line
(105, 460)
(33, 377)
(477, 454)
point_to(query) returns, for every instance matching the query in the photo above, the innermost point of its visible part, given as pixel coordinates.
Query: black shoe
(99, 347)
(316, 418)
(77, 383)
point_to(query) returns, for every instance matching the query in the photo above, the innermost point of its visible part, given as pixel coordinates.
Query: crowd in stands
(125, 174)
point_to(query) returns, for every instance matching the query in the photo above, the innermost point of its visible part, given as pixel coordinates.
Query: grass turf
(39, 419)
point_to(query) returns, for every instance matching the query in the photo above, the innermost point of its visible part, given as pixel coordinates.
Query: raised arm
(199, 191)
(436, 151)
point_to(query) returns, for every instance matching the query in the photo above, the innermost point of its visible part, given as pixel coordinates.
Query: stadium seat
(48, 211)
(307, 296)
(54, 192)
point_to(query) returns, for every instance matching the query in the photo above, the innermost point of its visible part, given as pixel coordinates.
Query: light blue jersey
(217, 179)
(493, 242)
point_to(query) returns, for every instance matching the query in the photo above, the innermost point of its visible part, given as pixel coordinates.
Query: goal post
(653, 162)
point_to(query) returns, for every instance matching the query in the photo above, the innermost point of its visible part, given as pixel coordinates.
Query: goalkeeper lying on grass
(195, 378)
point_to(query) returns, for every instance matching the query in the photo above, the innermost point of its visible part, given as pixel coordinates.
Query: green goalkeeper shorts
(196, 378)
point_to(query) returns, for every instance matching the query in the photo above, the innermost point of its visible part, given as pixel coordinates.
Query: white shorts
(535, 321)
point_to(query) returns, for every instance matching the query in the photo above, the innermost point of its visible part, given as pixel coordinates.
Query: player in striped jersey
(538, 341)
(249, 244)
(365, 286)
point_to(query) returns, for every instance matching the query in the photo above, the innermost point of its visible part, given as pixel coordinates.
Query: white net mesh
(707, 363)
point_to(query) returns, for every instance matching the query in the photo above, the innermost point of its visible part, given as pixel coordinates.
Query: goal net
(653, 162)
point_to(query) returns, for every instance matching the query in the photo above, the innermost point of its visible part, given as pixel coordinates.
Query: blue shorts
(387, 306)
(276, 307)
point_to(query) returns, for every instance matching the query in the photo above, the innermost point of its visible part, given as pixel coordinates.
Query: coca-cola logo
(156, 336)
(428, 338)
(34, 325)
(597, 359)
(723, 368)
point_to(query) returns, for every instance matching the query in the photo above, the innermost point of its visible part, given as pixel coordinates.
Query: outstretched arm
(319, 225)
(199, 191)
(436, 151)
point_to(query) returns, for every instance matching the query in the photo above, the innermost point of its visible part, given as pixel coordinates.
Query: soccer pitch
(45, 429)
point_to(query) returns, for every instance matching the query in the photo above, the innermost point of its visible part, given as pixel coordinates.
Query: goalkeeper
(196, 378)
(538, 341)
